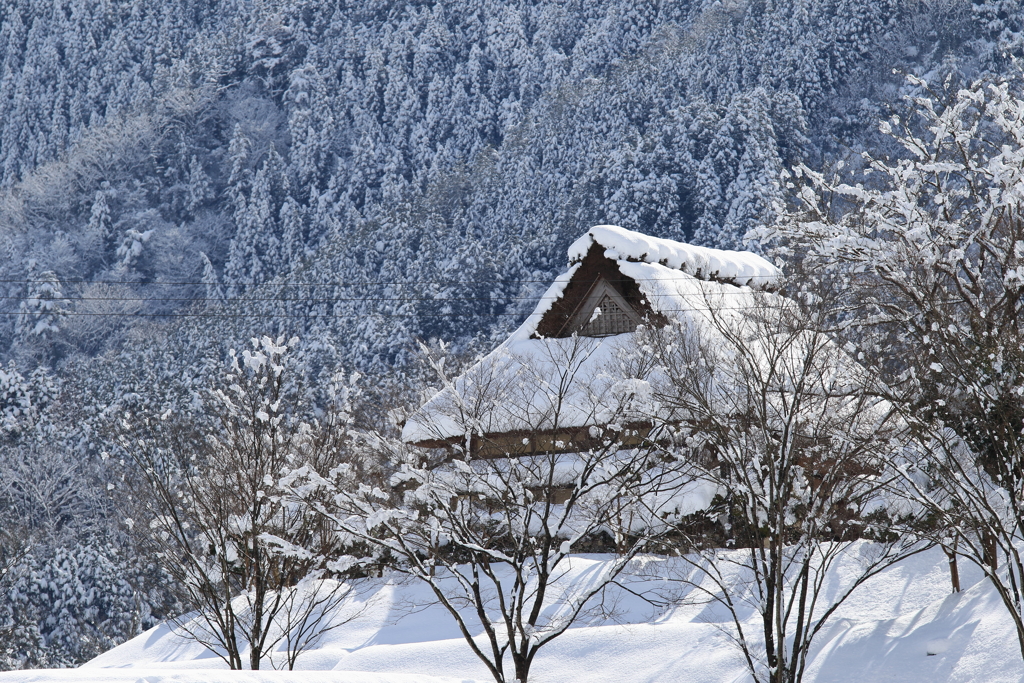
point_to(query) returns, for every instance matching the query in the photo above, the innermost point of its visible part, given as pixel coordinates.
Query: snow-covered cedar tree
(24, 400)
(249, 566)
(789, 429)
(493, 536)
(66, 606)
(40, 312)
(929, 253)
(69, 587)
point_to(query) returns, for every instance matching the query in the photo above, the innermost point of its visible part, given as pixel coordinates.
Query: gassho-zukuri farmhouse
(568, 368)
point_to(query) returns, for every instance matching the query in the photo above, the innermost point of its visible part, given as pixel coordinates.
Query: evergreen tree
(310, 125)
(41, 311)
(199, 186)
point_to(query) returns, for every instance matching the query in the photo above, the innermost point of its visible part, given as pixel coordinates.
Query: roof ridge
(705, 263)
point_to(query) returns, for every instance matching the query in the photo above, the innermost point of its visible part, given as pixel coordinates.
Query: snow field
(902, 625)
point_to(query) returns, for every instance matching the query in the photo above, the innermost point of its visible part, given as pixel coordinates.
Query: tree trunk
(522, 669)
(988, 549)
(954, 572)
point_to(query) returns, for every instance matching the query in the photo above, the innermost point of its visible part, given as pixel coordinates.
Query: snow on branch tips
(924, 248)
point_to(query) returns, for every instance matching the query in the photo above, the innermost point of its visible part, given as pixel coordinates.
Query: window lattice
(610, 320)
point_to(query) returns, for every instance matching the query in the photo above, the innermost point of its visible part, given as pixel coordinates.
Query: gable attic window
(597, 301)
(604, 313)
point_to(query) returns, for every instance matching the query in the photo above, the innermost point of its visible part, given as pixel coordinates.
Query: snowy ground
(903, 625)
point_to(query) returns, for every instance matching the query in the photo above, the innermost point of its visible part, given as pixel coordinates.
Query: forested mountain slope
(178, 176)
(454, 148)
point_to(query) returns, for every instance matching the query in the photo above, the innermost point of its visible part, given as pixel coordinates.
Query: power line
(75, 314)
(364, 283)
(182, 283)
(239, 299)
(227, 301)
(244, 299)
(71, 314)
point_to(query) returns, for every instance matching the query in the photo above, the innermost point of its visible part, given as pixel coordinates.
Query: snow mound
(902, 625)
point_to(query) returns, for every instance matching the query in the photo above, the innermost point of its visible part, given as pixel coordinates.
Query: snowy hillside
(902, 626)
(181, 178)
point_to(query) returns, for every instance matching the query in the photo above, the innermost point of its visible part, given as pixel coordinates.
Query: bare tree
(789, 428)
(490, 523)
(930, 256)
(237, 552)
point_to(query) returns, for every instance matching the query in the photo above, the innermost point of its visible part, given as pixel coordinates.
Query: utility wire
(244, 299)
(71, 314)
(182, 283)
(364, 283)
(241, 299)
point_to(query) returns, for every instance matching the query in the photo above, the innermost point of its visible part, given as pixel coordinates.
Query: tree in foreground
(929, 251)
(789, 429)
(216, 525)
(493, 536)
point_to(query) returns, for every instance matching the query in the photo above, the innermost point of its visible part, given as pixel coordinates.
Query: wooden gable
(598, 301)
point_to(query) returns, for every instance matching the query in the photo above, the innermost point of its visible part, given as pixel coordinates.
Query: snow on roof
(739, 267)
(558, 383)
(670, 279)
(525, 383)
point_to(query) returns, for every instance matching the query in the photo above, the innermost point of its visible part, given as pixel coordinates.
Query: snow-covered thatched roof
(737, 267)
(552, 374)
(664, 270)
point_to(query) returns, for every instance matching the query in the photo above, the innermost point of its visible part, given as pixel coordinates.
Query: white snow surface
(740, 267)
(884, 633)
